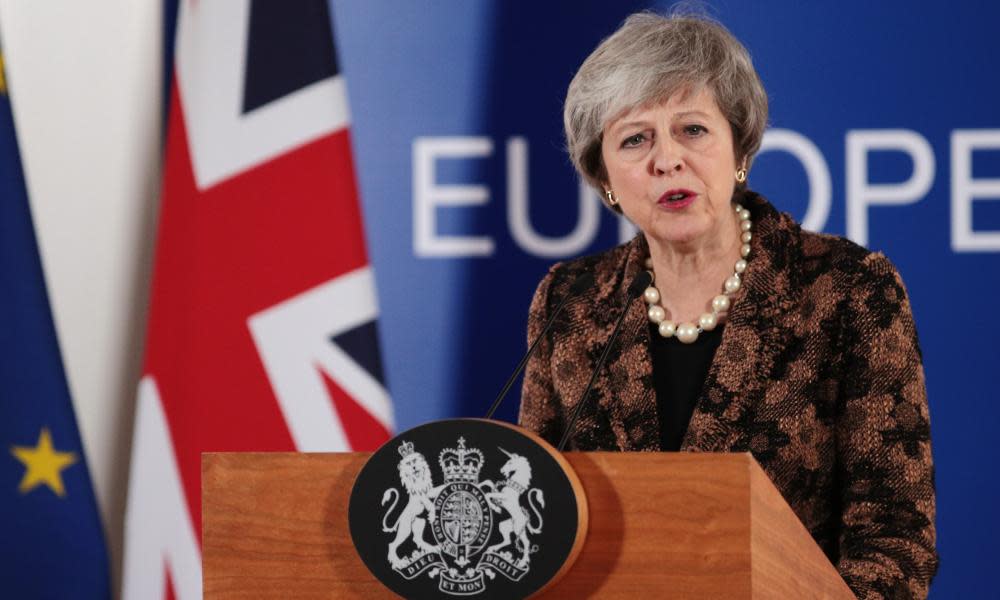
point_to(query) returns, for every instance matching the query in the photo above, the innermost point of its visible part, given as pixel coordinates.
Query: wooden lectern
(665, 525)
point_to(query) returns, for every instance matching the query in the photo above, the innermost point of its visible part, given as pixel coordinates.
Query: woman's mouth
(677, 199)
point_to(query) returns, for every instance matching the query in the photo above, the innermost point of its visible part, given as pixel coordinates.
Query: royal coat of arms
(463, 531)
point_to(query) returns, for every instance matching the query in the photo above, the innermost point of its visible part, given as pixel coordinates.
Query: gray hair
(648, 59)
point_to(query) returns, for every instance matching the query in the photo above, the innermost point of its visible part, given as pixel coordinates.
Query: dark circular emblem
(467, 507)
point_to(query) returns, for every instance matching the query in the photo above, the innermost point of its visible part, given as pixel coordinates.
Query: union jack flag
(261, 331)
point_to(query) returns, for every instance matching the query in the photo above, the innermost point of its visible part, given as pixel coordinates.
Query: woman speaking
(755, 336)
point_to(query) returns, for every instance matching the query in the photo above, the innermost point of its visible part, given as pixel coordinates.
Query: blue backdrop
(439, 90)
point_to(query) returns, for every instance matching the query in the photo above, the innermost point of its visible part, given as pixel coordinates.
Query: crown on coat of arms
(405, 449)
(461, 464)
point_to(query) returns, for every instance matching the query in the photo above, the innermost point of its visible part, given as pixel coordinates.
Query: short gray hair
(650, 58)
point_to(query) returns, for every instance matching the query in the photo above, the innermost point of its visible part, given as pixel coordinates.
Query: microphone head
(581, 283)
(639, 284)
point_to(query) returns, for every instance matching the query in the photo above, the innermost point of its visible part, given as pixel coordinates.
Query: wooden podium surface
(671, 525)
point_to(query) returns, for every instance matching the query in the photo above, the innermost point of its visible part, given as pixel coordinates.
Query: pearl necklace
(688, 332)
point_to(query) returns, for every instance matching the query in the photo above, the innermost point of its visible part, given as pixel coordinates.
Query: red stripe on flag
(168, 583)
(224, 254)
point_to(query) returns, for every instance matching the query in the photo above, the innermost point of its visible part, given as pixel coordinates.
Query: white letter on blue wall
(964, 189)
(428, 195)
(524, 234)
(861, 194)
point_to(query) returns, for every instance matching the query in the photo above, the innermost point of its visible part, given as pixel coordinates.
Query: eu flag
(51, 541)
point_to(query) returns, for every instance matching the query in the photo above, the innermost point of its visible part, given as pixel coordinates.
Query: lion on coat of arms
(415, 475)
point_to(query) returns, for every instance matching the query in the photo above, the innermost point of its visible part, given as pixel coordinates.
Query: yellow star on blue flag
(43, 464)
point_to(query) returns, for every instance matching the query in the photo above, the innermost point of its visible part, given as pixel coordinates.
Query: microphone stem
(524, 361)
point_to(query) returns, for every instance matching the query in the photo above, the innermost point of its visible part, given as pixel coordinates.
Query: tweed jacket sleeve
(884, 461)
(540, 408)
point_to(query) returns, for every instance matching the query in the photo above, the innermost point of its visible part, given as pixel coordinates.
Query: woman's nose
(667, 156)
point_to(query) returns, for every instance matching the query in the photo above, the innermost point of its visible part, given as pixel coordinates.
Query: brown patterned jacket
(818, 375)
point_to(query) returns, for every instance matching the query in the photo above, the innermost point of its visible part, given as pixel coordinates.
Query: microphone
(638, 285)
(579, 284)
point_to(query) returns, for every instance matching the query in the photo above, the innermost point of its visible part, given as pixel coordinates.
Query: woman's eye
(633, 140)
(694, 130)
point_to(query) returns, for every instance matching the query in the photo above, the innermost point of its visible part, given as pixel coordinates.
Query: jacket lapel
(752, 338)
(625, 384)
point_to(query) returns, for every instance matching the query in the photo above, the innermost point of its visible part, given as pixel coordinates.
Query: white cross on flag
(261, 330)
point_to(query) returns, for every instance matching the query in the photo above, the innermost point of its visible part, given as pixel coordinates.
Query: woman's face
(672, 168)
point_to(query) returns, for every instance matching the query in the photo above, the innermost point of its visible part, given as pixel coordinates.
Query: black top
(679, 372)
